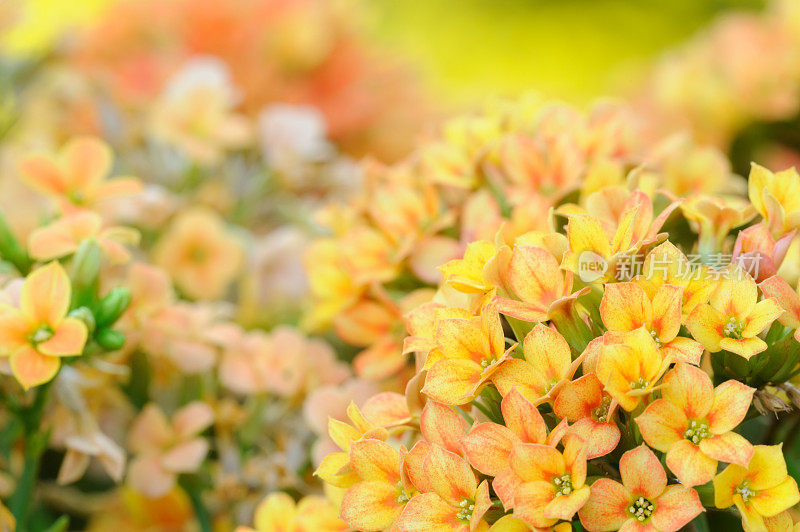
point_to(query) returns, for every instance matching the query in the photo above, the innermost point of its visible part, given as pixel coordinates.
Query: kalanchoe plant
(598, 371)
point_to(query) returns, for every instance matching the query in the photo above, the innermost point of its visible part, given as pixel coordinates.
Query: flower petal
(676, 507)
(729, 447)
(706, 325)
(373, 459)
(773, 500)
(530, 501)
(488, 447)
(642, 473)
(731, 402)
(452, 381)
(450, 475)
(690, 389)
(440, 425)
(69, 339)
(32, 368)
(764, 313)
(45, 296)
(625, 307)
(523, 418)
(662, 425)
(689, 464)
(607, 506)
(371, 505)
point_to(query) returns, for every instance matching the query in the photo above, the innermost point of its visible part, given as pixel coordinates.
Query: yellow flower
(761, 490)
(776, 197)
(38, 333)
(200, 253)
(278, 512)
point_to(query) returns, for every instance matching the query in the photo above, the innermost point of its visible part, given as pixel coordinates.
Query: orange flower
(553, 483)
(590, 411)
(758, 253)
(76, 177)
(776, 287)
(642, 502)
(734, 317)
(626, 306)
(666, 264)
(467, 354)
(693, 424)
(488, 446)
(630, 366)
(200, 253)
(278, 512)
(761, 490)
(533, 285)
(165, 449)
(380, 491)
(457, 502)
(64, 236)
(37, 334)
(713, 217)
(547, 366)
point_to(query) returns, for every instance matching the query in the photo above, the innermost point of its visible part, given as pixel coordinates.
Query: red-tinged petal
(371, 505)
(764, 313)
(776, 287)
(746, 347)
(32, 368)
(450, 475)
(585, 233)
(413, 465)
(566, 506)
(731, 401)
(578, 398)
(675, 508)
(45, 296)
(482, 504)
(530, 312)
(530, 501)
(518, 374)
(575, 459)
(440, 425)
(600, 438)
(375, 460)
(505, 484)
(427, 511)
(379, 361)
(452, 381)
(690, 389)
(707, 325)
(591, 355)
(683, 350)
(523, 418)
(387, 409)
(736, 294)
(534, 275)
(625, 307)
(642, 473)
(607, 506)
(633, 525)
(534, 462)
(780, 522)
(662, 425)
(667, 305)
(729, 447)
(493, 329)
(548, 352)
(462, 338)
(689, 464)
(773, 500)
(186, 457)
(68, 339)
(488, 447)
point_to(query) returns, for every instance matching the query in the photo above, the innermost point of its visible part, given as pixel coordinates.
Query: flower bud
(111, 307)
(85, 270)
(110, 339)
(765, 402)
(86, 316)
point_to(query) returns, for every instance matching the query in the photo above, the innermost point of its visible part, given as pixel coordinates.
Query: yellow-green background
(468, 49)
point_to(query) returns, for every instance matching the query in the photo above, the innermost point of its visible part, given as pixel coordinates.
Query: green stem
(194, 491)
(10, 249)
(35, 445)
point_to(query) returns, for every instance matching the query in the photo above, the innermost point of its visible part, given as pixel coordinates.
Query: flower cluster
(554, 385)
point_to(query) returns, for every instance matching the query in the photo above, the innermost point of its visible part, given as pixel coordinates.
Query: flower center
(402, 495)
(486, 362)
(601, 412)
(641, 509)
(465, 509)
(697, 431)
(563, 485)
(640, 384)
(733, 328)
(745, 491)
(77, 197)
(42, 334)
(656, 339)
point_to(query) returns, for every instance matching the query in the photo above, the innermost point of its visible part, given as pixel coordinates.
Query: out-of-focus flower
(65, 235)
(200, 253)
(776, 197)
(195, 113)
(38, 333)
(164, 449)
(77, 178)
(278, 512)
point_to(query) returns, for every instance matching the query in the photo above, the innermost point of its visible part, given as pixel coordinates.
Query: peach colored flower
(164, 449)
